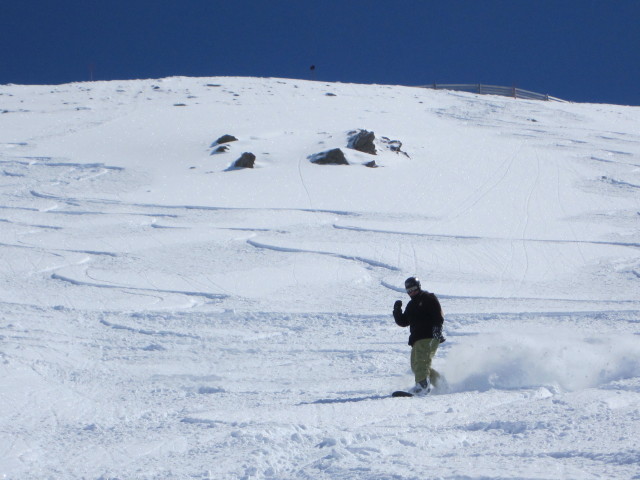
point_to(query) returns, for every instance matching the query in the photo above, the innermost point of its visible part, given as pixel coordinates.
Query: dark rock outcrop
(393, 145)
(362, 141)
(246, 160)
(330, 157)
(225, 139)
(220, 149)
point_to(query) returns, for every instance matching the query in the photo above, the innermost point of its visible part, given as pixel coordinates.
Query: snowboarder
(423, 315)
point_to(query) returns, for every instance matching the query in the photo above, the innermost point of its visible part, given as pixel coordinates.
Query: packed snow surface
(165, 315)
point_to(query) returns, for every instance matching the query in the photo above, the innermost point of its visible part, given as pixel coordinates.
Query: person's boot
(421, 388)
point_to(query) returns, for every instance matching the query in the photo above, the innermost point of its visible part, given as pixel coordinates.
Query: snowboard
(400, 393)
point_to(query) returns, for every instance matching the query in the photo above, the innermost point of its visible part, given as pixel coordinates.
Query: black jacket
(423, 316)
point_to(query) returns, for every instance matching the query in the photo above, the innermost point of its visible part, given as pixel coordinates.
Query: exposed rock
(221, 149)
(371, 164)
(393, 145)
(362, 141)
(330, 157)
(246, 160)
(225, 139)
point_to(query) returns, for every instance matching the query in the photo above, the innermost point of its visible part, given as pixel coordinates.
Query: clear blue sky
(579, 50)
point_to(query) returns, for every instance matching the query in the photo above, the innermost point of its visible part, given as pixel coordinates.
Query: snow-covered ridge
(167, 316)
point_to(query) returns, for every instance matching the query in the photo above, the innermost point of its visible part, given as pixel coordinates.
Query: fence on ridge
(493, 90)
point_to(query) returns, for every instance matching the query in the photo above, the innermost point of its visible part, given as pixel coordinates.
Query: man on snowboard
(424, 318)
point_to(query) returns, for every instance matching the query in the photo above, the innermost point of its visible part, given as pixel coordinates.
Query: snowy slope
(166, 316)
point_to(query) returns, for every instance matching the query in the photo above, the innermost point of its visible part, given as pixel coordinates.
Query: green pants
(422, 353)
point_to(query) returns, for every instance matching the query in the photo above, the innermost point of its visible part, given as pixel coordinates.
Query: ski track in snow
(155, 328)
(473, 238)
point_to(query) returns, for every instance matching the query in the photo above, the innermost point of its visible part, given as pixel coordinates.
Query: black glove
(397, 305)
